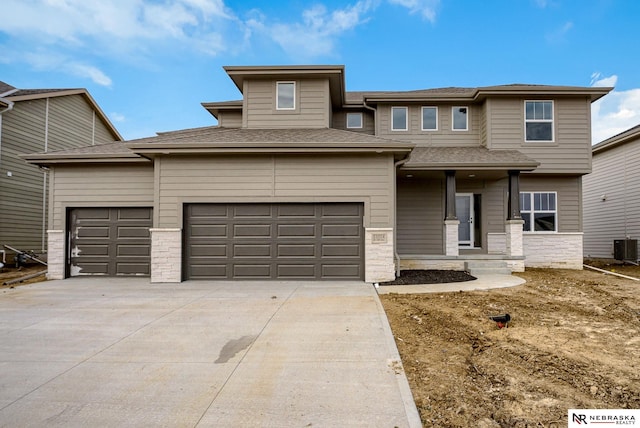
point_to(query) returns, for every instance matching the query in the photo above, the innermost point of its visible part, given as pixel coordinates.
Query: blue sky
(150, 63)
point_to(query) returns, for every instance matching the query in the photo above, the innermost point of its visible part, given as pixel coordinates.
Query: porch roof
(468, 158)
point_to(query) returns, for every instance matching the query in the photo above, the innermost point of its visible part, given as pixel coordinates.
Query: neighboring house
(611, 194)
(39, 120)
(302, 179)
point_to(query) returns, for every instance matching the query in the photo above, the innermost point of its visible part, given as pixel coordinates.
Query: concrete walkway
(483, 282)
(126, 353)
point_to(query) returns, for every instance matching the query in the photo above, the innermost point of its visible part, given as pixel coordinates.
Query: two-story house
(304, 180)
(39, 120)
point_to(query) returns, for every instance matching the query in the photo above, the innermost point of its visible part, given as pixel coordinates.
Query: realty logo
(582, 417)
(579, 418)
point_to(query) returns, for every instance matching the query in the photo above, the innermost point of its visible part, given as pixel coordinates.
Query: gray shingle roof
(5, 87)
(467, 157)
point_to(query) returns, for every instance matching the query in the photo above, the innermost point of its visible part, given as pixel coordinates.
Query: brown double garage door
(286, 241)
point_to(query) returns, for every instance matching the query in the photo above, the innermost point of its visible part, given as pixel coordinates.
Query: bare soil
(9, 273)
(573, 342)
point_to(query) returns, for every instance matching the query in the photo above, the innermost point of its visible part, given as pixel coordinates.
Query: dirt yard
(573, 342)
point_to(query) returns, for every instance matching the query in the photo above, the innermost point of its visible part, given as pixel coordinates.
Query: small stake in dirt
(501, 320)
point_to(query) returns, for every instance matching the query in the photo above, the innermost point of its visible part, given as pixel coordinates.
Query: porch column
(451, 222)
(513, 209)
(513, 225)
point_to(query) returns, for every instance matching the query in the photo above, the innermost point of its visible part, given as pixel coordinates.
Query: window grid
(538, 117)
(539, 211)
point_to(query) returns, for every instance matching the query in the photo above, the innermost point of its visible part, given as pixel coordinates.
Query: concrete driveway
(123, 352)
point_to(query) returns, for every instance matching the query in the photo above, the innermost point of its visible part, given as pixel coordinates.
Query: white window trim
(552, 121)
(406, 120)
(466, 128)
(539, 232)
(422, 118)
(355, 127)
(277, 96)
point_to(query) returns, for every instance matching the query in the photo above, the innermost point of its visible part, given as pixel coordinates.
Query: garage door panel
(338, 250)
(300, 231)
(275, 241)
(296, 250)
(211, 250)
(207, 231)
(252, 250)
(341, 230)
(297, 271)
(207, 211)
(252, 230)
(110, 241)
(252, 271)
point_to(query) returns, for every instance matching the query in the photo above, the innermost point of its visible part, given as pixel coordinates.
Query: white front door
(464, 211)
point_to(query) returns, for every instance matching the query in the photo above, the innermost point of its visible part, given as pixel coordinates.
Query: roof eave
(617, 140)
(471, 166)
(43, 159)
(594, 93)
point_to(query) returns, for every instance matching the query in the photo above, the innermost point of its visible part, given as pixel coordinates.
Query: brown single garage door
(110, 241)
(274, 241)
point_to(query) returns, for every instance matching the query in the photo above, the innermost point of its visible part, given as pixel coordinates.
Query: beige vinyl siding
(420, 216)
(483, 124)
(230, 119)
(570, 152)
(279, 178)
(444, 136)
(109, 185)
(70, 123)
(569, 202)
(312, 105)
(368, 122)
(616, 175)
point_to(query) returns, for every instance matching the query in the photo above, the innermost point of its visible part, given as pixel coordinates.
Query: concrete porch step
(487, 267)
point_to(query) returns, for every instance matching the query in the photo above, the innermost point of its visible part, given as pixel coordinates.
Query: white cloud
(117, 117)
(89, 71)
(615, 112)
(559, 34)
(317, 33)
(426, 8)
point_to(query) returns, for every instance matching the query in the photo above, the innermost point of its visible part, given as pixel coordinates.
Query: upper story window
(460, 118)
(429, 118)
(538, 117)
(285, 95)
(399, 118)
(539, 211)
(354, 120)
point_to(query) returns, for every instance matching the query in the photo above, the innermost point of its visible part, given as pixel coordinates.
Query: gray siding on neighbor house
(569, 202)
(108, 185)
(571, 150)
(616, 177)
(312, 105)
(230, 119)
(22, 184)
(277, 178)
(36, 126)
(444, 136)
(339, 121)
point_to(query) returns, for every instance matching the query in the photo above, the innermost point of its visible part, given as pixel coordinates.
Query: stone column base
(515, 245)
(378, 255)
(55, 256)
(452, 247)
(166, 255)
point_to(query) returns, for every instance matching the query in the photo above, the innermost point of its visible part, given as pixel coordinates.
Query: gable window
(460, 118)
(399, 116)
(539, 211)
(354, 120)
(429, 118)
(538, 117)
(285, 95)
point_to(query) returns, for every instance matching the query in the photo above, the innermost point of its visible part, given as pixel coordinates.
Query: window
(429, 118)
(399, 118)
(538, 120)
(460, 118)
(285, 96)
(354, 120)
(539, 212)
